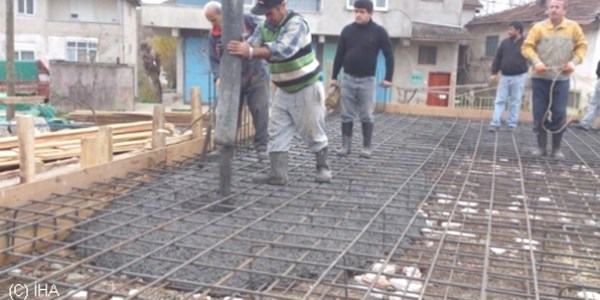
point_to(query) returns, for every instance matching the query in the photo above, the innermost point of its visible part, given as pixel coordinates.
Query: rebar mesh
(443, 210)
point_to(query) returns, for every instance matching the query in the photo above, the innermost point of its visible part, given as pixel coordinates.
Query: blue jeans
(541, 100)
(357, 97)
(512, 87)
(593, 108)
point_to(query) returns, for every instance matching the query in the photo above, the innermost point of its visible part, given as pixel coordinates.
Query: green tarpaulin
(25, 70)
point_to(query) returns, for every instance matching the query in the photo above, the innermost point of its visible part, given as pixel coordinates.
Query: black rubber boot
(215, 154)
(542, 140)
(323, 172)
(345, 149)
(261, 152)
(367, 131)
(278, 174)
(556, 141)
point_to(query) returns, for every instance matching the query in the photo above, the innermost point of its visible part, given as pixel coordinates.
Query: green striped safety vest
(298, 71)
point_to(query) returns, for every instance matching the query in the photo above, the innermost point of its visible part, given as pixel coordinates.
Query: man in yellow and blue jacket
(553, 46)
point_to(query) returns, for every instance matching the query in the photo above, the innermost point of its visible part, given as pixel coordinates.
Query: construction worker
(357, 50)
(284, 40)
(593, 108)
(255, 83)
(553, 46)
(513, 68)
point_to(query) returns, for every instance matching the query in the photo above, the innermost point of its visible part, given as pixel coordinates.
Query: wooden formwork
(446, 112)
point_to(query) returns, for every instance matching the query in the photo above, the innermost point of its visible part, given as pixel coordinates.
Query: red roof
(583, 11)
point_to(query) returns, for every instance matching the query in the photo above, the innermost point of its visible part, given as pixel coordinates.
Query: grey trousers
(357, 97)
(303, 111)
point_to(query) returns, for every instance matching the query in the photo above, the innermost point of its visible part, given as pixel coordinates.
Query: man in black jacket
(357, 52)
(594, 107)
(513, 67)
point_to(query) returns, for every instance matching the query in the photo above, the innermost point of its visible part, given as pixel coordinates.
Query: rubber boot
(261, 153)
(542, 140)
(215, 154)
(367, 131)
(345, 149)
(278, 173)
(556, 141)
(323, 172)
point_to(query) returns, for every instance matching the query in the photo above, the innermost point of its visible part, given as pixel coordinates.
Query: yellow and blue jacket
(554, 46)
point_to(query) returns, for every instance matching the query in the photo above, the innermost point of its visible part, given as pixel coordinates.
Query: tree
(166, 47)
(151, 61)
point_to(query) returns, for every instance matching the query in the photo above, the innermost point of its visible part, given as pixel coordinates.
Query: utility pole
(229, 92)
(10, 57)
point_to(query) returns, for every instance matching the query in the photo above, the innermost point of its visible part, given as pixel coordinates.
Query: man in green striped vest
(284, 40)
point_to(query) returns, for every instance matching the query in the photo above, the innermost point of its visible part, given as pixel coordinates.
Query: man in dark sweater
(513, 67)
(594, 107)
(357, 50)
(255, 77)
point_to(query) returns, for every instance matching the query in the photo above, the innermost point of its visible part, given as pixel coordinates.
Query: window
(249, 2)
(24, 7)
(305, 5)
(24, 55)
(427, 55)
(377, 4)
(82, 51)
(491, 44)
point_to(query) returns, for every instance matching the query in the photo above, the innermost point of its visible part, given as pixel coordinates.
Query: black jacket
(598, 70)
(358, 48)
(509, 59)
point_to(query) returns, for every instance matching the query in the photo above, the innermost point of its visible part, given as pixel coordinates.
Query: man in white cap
(284, 40)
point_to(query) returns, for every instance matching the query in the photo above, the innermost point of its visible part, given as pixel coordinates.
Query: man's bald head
(212, 12)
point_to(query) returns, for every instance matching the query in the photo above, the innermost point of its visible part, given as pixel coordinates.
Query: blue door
(197, 69)
(381, 95)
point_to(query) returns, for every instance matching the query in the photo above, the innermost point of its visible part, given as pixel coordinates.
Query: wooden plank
(89, 153)
(25, 134)
(12, 142)
(158, 123)
(179, 118)
(142, 135)
(174, 153)
(22, 99)
(196, 123)
(8, 154)
(38, 190)
(434, 111)
(9, 164)
(105, 144)
(59, 154)
(181, 139)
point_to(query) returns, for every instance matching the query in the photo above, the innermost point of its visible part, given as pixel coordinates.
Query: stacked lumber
(67, 144)
(179, 119)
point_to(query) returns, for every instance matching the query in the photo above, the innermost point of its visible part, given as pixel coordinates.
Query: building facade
(426, 53)
(83, 30)
(488, 31)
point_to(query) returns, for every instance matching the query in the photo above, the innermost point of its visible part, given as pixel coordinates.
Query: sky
(491, 6)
